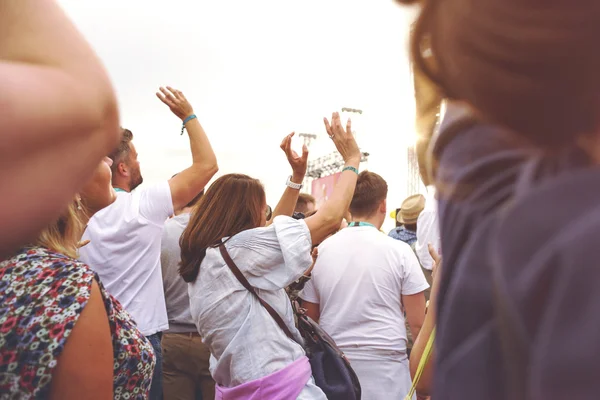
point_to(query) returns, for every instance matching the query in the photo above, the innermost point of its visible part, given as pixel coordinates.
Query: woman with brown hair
(517, 180)
(63, 336)
(251, 352)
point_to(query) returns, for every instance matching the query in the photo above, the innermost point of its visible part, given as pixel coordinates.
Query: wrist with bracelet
(186, 120)
(293, 185)
(351, 168)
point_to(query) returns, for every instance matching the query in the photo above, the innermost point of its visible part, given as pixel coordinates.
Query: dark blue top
(527, 224)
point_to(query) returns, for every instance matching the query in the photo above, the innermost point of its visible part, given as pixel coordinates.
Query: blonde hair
(528, 66)
(64, 234)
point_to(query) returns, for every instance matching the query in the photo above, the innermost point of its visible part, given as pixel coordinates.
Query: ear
(123, 169)
(383, 207)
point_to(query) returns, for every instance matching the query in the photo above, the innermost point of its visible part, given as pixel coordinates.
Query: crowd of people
(112, 290)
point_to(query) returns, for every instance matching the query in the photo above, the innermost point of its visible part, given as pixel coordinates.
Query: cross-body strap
(240, 277)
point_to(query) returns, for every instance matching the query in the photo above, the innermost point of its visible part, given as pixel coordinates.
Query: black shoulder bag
(330, 367)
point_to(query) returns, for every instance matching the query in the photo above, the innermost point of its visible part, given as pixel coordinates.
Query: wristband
(293, 185)
(349, 168)
(185, 121)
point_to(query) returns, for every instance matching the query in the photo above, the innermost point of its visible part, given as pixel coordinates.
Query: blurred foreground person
(59, 117)
(64, 336)
(253, 357)
(519, 200)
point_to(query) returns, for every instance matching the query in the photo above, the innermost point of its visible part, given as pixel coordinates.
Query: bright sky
(255, 71)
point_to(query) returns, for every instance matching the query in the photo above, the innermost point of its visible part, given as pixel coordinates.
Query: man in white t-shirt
(428, 230)
(125, 238)
(363, 284)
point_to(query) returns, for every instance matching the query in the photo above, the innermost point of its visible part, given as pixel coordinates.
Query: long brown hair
(528, 66)
(232, 204)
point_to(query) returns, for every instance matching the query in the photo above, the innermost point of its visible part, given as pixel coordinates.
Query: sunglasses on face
(298, 215)
(269, 213)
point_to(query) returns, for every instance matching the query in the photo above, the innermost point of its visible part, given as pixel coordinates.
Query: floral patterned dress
(42, 295)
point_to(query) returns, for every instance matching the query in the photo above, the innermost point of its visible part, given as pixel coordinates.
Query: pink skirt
(283, 384)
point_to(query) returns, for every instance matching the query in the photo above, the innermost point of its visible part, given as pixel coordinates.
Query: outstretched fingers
(328, 127)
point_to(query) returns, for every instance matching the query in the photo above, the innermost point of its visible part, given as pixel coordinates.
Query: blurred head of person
(529, 66)
(63, 235)
(126, 171)
(305, 204)
(232, 204)
(369, 202)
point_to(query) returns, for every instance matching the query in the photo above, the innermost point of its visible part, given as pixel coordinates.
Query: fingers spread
(168, 94)
(282, 145)
(174, 92)
(304, 153)
(327, 127)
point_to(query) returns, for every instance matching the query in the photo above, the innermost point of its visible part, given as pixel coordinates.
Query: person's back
(124, 250)
(359, 279)
(518, 198)
(362, 284)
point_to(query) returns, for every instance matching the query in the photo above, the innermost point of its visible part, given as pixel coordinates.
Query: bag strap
(242, 279)
(422, 363)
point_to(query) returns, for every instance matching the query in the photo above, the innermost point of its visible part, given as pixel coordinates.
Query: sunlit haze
(255, 71)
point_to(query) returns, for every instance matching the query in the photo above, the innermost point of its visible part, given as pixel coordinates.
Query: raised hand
(176, 101)
(298, 163)
(343, 139)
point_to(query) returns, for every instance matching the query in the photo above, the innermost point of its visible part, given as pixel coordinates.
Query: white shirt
(358, 281)
(245, 342)
(124, 250)
(428, 231)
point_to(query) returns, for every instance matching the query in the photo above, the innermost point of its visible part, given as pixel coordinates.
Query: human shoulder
(283, 229)
(41, 265)
(44, 296)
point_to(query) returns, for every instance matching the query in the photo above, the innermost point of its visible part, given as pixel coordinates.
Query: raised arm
(329, 217)
(59, 116)
(187, 184)
(288, 200)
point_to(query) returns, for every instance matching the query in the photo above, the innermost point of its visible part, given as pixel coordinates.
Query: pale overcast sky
(255, 71)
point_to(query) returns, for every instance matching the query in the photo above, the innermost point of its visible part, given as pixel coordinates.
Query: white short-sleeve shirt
(124, 249)
(358, 281)
(244, 340)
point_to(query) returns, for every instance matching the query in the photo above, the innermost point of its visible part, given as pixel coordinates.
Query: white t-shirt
(428, 231)
(124, 250)
(358, 281)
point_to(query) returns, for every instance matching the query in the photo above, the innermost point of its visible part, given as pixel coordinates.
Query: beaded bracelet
(185, 121)
(350, 168)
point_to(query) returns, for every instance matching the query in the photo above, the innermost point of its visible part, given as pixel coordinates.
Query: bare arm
(59, 116)
(425, 383)
(85, 368)
(187, 184)
(415, 312)
(287, 203)
(312, 310)
(330, 215)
